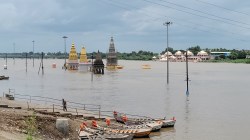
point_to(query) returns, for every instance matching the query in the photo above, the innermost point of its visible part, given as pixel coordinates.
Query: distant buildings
(180, 56)
(98, 67)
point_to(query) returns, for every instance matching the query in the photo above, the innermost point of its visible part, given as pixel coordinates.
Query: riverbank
(14, 125)
(245, 61)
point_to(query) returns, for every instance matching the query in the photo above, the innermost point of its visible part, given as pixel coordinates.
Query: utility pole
(33, 52)
(167, 24)
(14, 49)
(26, 64)
(187, 92)
(92, 70)
(6, 57)
(64, 37)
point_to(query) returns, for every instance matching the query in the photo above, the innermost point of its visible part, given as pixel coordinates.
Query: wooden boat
(134, 132)
(2, 77)
(137, 132)
(146, 66)
(83, 135)
(119, 67)
(90, 133)
(119, 117)
(165, 122)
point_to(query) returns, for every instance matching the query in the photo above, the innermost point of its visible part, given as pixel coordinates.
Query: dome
(178, 53)
(172, 57)
(189, 53)
(169, 53)
(202, 53)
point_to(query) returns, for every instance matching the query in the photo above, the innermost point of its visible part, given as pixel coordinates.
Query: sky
(134, 24)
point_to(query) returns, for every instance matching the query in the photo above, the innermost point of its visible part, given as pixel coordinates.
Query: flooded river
(217, 108)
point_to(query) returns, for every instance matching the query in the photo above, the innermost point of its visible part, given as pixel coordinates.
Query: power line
(187, 12)
(218, 6)
(153, 19)
(204, 12)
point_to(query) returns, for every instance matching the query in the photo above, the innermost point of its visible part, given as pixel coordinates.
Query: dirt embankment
(13, 125)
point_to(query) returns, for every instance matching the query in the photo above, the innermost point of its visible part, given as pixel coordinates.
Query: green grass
(246, 61)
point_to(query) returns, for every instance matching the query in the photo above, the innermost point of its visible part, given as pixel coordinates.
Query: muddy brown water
(217, 108)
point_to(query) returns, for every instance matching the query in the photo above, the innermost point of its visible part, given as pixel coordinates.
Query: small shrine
(84, 65)
(98, 67)
(73, 59)
(111, 55)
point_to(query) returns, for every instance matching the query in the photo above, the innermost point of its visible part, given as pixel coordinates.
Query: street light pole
(167, 24)
(65, 37)
(33, 51)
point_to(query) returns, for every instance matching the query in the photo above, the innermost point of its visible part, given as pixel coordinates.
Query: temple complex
(73, 59)
(84, 65)
(98, 67)
(111, 56)
(181, 56)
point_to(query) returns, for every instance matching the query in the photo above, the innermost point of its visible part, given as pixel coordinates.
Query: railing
(56, 104)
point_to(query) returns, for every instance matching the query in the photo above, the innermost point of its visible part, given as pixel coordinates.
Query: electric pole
(33, 52)
(167, 24)
(65, 37)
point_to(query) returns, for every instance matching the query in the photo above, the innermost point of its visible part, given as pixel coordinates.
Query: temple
(84, 65)
(111, 56)
(98, 67)
(73, 59)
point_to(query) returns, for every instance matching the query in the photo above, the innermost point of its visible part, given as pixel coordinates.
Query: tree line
(140, 55)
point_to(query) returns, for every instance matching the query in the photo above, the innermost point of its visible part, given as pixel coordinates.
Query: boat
(139, 132)
(2, 77)
(122, 118)
(131, 123)
(119, 67)
(101, 134)
(136, 132)
(83, 135)
(146, 66)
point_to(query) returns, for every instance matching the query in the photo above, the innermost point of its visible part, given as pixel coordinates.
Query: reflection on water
(187, 121)
(219, 99)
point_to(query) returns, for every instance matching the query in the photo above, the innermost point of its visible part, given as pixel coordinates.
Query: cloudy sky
(134, 24)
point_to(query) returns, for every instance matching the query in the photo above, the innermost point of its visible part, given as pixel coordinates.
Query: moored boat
(146, 66)
(122, 118)
(104, 134)
(119, 67)
(2, 77)
(137, 132)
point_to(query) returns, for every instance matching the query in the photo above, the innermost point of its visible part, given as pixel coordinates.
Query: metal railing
(56, 104)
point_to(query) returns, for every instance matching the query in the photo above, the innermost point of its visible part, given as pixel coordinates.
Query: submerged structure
(111, 56)
(73, 59)
(84, 65)
(98, 67)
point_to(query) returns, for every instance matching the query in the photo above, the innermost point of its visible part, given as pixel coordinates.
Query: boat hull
(168, 123)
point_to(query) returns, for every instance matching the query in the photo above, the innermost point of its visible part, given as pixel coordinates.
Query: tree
(233, 55)
(195, 49)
